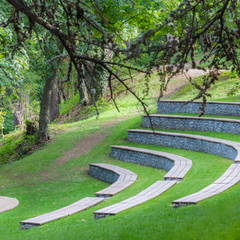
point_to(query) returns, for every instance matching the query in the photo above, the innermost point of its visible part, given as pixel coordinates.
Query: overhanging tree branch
(34, 17)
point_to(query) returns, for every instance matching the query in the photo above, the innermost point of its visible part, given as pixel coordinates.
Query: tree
(83, 25)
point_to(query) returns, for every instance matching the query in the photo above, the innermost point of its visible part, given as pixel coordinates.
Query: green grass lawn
(218, 90)
(41, 187)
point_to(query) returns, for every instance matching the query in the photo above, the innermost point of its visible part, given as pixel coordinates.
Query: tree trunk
(16, 107)
(81, 94)
(62, 91)
(54, 107)
(45, 105)
(16, 121)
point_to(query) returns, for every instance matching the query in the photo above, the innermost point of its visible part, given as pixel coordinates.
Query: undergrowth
(16, 146)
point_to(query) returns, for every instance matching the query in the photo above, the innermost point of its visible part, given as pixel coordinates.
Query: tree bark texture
(44, 117)
(54, 107)
(62, 91)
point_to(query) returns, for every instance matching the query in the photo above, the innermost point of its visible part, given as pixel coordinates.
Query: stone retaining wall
(142, 158)
(184, 141)
(212, 108)
(103, 174)
(192, 123)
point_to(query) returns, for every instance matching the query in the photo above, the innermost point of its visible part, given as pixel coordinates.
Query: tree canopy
(99, 37)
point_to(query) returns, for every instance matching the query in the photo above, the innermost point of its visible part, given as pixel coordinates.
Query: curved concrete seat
(227, 180)
(151, 192)
(220, 147)
(176, 166)
(120, 177)
(192, 123)
(7, 203)
(124, 178)
(76, 207)
(212, 107)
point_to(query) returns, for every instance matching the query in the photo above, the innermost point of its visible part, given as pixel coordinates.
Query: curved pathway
(7, 203)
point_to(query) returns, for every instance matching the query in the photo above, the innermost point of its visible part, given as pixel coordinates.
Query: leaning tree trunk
(45, 105)
(54, 106)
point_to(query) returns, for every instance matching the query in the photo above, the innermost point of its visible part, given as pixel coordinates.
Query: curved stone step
(151, 192)
(123, 178)
(220, 147)
(120, 177)
(192, 123)
(7, 203)
(212, 107)
(176, 166)
(227, 180)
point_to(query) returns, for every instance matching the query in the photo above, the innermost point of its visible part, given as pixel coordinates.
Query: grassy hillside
(41, 185)
(218, 91)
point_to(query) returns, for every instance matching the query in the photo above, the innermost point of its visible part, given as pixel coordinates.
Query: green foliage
(31, 128)
(234, 90)
(8, 122)
(234, 74)
(16, 146)
(66, 106)
(7, 151)
(72, 111)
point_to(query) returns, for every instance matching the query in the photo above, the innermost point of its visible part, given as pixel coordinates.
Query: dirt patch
(175, 87)
(191, 73)
(86, 144)
(83, 147)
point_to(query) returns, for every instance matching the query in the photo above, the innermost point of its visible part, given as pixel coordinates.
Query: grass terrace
(42, 186)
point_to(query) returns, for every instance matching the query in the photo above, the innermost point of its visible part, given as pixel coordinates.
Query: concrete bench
(227, 180)
(176, 166)
(76, 207)
(123, 180)
(220, 147)
(120, 177)
(7, 203)
(192, 123)
(212, 108)
(151, 192)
